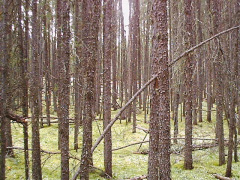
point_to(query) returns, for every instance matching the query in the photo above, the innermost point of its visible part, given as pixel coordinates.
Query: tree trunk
(3, 44)
(90, 17)
(64, 84)
(113, 34)
(108, 50)
(188, 161)
(218, 86)
(159, 147)
(24, 70)
(35, 91)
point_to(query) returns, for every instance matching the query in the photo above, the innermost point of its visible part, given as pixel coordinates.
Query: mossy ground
(126, 164)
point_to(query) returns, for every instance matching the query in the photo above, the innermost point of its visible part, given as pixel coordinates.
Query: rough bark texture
(107, 52)
(134, 56)
(78, 72)
(3, 47)
(24, 73)
(113, 42)
(90, 17)
(218, 85)
(159, 148)
(35, 83)
(64, 82)
(188, 161)
(200, 61)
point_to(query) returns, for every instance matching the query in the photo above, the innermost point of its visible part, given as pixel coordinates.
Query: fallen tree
(221, 177)
(146, 85)
(16, 118)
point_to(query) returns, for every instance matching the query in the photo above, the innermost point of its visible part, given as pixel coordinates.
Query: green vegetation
(126, 164)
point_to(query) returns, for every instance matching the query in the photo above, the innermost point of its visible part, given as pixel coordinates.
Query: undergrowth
(126, 164)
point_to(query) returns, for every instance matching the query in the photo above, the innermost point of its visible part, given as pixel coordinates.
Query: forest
(119, 89)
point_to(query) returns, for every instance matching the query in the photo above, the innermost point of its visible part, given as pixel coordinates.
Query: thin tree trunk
(113, 34)
(188, 160)
(108, 50)
(24, 69)
(90, 18)
(219, 86)
(35, 86)
(64, 91)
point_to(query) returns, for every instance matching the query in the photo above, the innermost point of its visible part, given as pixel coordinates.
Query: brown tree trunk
(159, 147)
(64, 84)
(135, 56)
(35, 91)
(3, 47)
(78, 72)
(188, 160)
(123, 59)
(200, 61)
(47, 67)
(146, 61)
(209, 76)
(90, 18)
(113, 34)
(218, 85)
(108, 50)
(24, 70)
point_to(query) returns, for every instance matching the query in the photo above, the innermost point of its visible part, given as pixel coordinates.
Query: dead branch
(221, 177)
(146, 85)
(16, 118)
(129, 145)
(139, 177)
(120, 112)
(202, 43)
(144, 129)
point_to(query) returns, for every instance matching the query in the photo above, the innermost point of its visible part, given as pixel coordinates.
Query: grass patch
(125, 163)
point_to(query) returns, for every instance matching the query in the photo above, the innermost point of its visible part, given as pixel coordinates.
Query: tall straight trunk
(188, 160)
(35, 86)
(218, 86)
(138, 53)
(54, 70)
(78, 73)
(59, 56)
(113, 41)
(146, 60)
(64, 84)
(130, 65)
(159, 147)
(134, 57)
(200, 61)
(9, 85)
(123, 58)
(108, 50)
(90, 18)
(24, 71)
(209, 75)
(47, 64)
(3, 44)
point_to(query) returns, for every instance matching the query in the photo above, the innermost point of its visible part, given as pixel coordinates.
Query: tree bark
(90, 18)
(108, 50)
(218, 85)
(159, 147)
(35, 86)
(188, 161)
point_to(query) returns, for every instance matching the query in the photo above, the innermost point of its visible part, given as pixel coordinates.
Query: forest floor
(126, 162)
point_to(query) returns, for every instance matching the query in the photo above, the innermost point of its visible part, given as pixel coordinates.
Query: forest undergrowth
(127, 162)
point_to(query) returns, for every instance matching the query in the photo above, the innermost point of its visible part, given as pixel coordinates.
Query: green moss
(126, 164)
